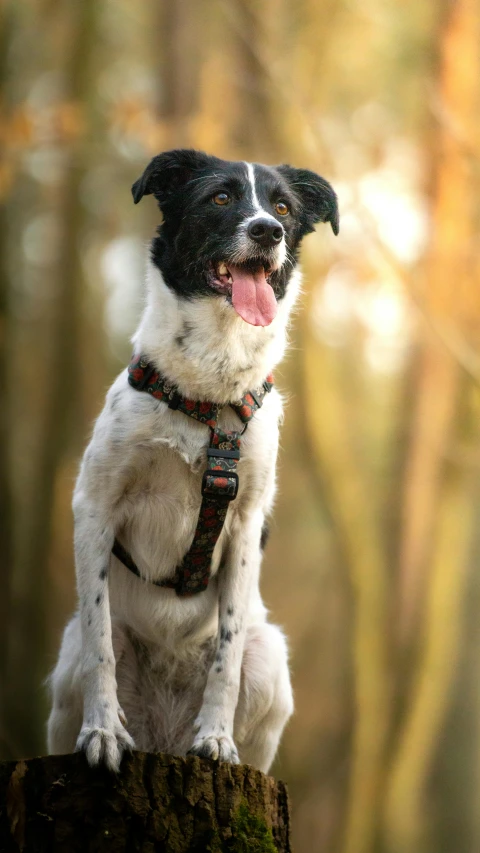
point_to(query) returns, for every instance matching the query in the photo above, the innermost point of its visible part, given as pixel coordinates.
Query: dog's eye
(221, 198)
(281, 208)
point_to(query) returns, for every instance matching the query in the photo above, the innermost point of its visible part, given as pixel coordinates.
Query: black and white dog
(139, 665)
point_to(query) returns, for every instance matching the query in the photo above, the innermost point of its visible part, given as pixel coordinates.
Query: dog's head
(232, 229)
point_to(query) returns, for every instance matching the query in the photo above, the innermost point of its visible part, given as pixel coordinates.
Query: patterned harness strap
(220, 480)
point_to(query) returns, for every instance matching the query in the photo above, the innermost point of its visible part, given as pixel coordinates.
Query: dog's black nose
(265, 232)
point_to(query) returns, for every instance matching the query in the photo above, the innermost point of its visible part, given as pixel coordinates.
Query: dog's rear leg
(66, 714)
(265, 701)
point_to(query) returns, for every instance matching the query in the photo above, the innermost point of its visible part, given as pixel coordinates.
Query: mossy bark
(157, 803)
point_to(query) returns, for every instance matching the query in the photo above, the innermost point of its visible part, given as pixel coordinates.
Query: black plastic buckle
(223, 454)
(224, 475)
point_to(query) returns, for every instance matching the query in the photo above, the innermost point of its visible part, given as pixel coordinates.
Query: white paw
(104, 744)
(217, 747)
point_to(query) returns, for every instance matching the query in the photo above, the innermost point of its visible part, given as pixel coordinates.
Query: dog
(147, 663)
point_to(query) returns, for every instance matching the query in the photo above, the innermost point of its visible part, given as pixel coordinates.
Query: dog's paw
(217, 747)
(104, 745)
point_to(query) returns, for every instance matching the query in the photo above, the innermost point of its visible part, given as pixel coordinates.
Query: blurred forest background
(373, 566)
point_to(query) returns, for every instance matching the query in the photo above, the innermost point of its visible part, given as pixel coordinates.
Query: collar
(143, 376)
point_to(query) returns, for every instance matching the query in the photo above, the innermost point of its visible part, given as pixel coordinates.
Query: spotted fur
(139, 666)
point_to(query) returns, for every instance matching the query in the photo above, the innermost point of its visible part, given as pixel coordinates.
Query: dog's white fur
(208, 671)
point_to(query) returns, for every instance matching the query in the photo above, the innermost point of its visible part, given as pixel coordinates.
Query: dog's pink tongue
(252, 296)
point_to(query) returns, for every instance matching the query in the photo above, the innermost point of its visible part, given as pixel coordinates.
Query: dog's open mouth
(249, 287)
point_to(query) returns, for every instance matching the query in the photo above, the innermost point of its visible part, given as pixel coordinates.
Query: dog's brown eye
(281, 208)
(221, 198)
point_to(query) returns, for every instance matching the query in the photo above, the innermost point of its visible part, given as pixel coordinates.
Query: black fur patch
(225, 635)
(265, 535)
(185, 334)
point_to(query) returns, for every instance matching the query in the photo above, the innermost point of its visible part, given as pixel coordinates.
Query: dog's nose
(265, 232)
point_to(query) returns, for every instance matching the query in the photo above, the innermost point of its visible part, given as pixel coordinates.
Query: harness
(220, 480)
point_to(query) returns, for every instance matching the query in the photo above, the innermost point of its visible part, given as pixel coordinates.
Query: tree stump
(157, 803)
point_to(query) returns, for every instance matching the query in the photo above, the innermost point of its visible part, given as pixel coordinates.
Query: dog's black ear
(318, 198)
(167, 172)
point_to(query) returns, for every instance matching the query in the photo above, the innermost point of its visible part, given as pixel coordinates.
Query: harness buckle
(220, 484)
(223, 454)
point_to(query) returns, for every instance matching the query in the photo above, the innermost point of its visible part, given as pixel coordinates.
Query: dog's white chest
(160, 504)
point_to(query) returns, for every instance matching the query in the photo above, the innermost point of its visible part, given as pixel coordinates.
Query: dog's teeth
(222, 269)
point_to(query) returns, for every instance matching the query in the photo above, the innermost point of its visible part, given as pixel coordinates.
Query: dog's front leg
(214, 724)
(102, 737)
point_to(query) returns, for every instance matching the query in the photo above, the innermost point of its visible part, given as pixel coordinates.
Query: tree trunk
(157, 803)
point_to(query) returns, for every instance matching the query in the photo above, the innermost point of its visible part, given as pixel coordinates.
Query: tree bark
(157, 803)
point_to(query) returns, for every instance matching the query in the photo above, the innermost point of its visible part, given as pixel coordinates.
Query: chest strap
(220, 480)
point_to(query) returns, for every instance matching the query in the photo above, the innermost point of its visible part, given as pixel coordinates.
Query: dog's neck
(204, 347)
